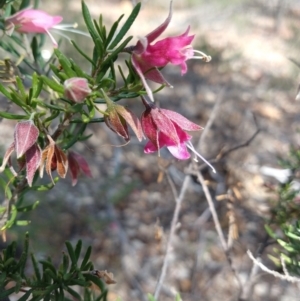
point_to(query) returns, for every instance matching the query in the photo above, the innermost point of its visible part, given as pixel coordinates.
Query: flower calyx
(27, 150)
(53, 158)
(117, 117)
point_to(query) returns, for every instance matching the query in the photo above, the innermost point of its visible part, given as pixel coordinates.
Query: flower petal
(33, 159)
(181, 121)
(25, 135)
(179, 151)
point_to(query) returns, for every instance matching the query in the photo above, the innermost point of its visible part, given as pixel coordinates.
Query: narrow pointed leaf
(126, 26)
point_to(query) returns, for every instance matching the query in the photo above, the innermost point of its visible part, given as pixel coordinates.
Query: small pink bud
(25, 136)
(77, 89)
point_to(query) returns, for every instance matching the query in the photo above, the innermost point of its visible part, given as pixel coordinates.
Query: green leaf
(47, 265)
(65, 63)
(270, 231)
(6, 188)
(37, 85)
(83, 53)
(36, 268)
(22, 222)
(86, 258)
(71, 253)
(126, 26)
(24, 4)
(13, 216)
(91, 28)
(53, 84)
(13, 116)
(26, 295)
(35, 49)
(112, 31)
(45, 187)
(50, 106)
(111, 58)
(14, 97)
(72, 292)
(4, 91)
(95, 280)
(78, 249)
(21, 87)
(66, 263)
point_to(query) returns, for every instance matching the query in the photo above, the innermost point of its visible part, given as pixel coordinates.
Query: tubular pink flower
(32, 21)
(167, 128)
(147, 58)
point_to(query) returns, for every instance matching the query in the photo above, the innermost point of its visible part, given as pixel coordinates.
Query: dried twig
(218, 227)
(286, 275)
(178, 202)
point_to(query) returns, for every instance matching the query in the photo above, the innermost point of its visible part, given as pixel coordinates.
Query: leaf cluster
(49, 282)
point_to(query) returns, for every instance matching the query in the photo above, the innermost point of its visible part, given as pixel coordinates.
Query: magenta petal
(33, 158)
(181, 121)
(160, 29)
(150, 148)
(138, 70)
(180, 151)
(25, 136)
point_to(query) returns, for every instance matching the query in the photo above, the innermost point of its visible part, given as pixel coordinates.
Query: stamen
(204, 57)
(59, 26)
(191, 147)
(57, 30)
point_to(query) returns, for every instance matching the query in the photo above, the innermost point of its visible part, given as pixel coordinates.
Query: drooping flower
(77, 164)
(165, 128)
(116, 118)
(53, 158)
(27, 150)
(77, 89)
(32, 21)
(147, 58)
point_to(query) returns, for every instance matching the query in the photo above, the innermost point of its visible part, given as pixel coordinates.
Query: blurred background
(125, 212)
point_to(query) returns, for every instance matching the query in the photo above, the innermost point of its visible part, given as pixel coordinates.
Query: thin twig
(218, 228)
(178, 201)
(248, 285)
(212, 117)
(286, 277)
(212, 210)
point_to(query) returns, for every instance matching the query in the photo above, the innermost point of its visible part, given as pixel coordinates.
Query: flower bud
(77, 89)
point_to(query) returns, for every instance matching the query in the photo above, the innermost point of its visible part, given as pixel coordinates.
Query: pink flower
(77, 89)
(77, 163)
(147, 58)
(27, 150)
(32, 21)
(167, 128)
